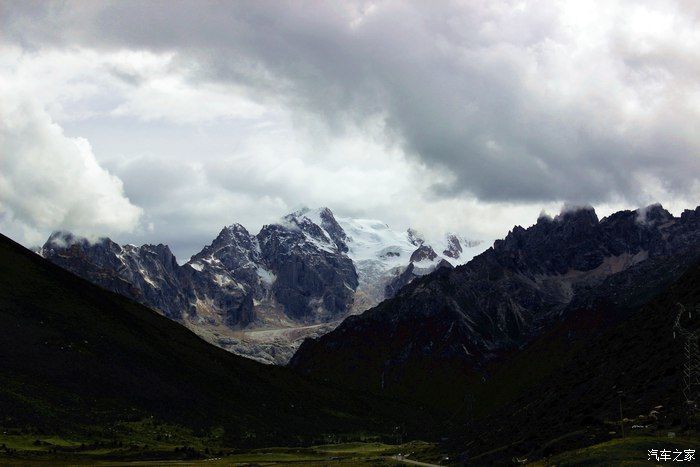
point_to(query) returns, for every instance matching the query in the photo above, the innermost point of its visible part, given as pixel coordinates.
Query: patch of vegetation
(630, 451)
(148, 443)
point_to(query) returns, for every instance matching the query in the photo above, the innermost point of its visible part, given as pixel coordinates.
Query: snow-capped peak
(319, 226)
(370, 239)
(314, 215)
(415, 237)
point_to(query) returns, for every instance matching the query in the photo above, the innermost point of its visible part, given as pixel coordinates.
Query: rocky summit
(450, 325)
(260, 295)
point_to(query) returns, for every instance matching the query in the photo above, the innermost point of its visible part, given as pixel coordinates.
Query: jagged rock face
(411, 272)
(334, 229)
(226, 277)
(320, 225)
(402, 279)
(423, 253)
(149, 274)
(153, 269)
(506, 296)
(258, 295)
(97, 260)
(313, 284)
(234, 248)
(444, 264)
(578, 241)
(454, 248)
(415, 238)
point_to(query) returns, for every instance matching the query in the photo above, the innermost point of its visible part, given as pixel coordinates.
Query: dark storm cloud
(507, 97)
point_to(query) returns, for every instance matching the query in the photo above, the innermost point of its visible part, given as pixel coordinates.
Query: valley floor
(631, 451)
(24, 450)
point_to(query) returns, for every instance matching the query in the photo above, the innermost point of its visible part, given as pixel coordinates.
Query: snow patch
(266, 276)
(224, 280)
(146, 278)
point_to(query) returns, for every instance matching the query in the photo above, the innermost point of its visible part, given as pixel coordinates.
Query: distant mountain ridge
(449, 325)
(261, 295)
(533, 347)
(78, 360)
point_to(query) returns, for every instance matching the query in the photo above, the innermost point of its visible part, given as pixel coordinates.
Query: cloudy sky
(164, 121)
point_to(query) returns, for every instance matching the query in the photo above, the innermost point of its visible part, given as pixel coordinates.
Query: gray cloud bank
(515, 101)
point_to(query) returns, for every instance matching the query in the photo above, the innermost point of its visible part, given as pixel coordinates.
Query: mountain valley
(528, 350)
(261, 295)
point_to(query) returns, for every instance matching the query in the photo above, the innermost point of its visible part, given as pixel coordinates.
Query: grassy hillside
(632, 451)
(566, 389)
(77, 359)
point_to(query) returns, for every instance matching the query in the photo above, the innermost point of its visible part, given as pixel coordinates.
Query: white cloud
(164, 93)
(50, 181)
(468, 117)
(80, 83)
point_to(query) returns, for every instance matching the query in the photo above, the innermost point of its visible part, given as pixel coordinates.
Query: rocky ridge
(458, 320)
(261, 295)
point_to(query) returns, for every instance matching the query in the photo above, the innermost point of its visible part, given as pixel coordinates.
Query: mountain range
(261, 295)
(449, 325)
(552, 339)
(77, 360)
(540, 344)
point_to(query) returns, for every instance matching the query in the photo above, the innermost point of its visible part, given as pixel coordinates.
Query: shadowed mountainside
(567, 388)
(442, 330)
(73, 356)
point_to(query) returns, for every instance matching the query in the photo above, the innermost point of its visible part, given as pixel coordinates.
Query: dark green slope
(445, 332)
(564, 391)
(556, 392)
(73, 355)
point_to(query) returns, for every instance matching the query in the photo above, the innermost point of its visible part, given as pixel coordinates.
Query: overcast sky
(164, 121)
